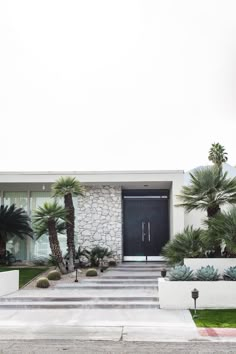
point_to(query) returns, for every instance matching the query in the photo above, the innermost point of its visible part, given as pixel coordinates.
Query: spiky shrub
(230, 273)
(208, 273)
(180, 273)
(187, 244)
(91, 273)
(42, 283)
(97, 254)
(112, 263)
(54, 275)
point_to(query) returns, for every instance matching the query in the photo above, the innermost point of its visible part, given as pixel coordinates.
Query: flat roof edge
(64, 173)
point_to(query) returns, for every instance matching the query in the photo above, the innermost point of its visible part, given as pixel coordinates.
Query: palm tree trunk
(55, 246)
(212, 211)
(70, 226)
(2, 246)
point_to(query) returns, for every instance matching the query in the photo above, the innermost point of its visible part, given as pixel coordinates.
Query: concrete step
(60, 299)
(81, 305)
(134, 269)
(121, 281)
(142, 264)
(134, 277)
(106, 286)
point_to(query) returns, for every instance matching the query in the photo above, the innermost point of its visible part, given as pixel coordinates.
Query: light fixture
(195, 295)
(43, 187)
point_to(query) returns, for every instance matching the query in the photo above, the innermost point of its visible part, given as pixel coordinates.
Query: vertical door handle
(149, 231)
(142, 231)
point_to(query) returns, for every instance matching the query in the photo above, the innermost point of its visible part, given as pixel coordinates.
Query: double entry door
(146, 228)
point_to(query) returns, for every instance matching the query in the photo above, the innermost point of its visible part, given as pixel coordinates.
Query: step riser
(133, 282)
(76, 299)
(136, 277)
(138, 270)
(105, 287)
(81, 306)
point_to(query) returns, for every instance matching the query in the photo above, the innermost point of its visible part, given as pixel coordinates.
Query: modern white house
(131, 212)
(134, 213)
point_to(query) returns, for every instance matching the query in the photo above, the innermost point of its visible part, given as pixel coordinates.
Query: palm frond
(67, 185)
(14, 222)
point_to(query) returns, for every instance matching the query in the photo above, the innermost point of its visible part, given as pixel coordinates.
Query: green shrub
(208, 273)
(91, 273)
(97, 254)
(181, 273)
(54, 275)
(230, 273)
(112, 263)
(42, 283)
(187, 244)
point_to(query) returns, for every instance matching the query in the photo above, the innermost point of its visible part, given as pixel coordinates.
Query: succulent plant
(208, 273)
(181, 273)
(91, 272)
(230, 273)
(54, 275)
(42, 283)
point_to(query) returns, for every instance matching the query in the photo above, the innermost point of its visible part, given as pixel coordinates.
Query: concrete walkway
(120, 305)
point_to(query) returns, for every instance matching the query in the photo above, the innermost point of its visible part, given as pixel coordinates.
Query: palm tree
(223, 229)
(209, 189)
(48, 219)
(13, 222)
(217, 154)
(68, 187)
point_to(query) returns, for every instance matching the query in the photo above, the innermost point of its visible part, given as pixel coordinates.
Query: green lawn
(26, 274)
(215, 318)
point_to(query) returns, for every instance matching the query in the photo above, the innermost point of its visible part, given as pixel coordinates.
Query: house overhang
(126, 179)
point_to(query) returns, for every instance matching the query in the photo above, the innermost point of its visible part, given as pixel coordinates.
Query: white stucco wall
(218, 263)
(212, 294)
(9, 282)
(176, 213)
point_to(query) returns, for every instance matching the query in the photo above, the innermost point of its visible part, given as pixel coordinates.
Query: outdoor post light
(195, 295)
(76, 266)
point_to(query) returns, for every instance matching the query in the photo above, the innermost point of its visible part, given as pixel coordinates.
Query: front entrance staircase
(127, 286)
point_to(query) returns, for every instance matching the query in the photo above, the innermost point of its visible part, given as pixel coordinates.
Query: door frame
(145, 194)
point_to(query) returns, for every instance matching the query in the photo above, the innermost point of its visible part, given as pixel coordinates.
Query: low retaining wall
(212, 294)
(219, 263)
(9, 282)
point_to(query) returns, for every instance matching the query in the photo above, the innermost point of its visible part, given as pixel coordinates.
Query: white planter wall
(9, 282)
(212, 294)
(219, 263)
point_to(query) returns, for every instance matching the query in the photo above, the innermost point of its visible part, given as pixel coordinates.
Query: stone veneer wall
(100, 218)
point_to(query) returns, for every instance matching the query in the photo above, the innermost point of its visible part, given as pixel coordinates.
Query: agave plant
(230, 273)
(208, 273)
(181, 273)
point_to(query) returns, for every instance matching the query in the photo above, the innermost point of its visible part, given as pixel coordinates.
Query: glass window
(41, 247)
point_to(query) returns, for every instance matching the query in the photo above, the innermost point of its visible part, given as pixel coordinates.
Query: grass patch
(26, 274)
(215, 318)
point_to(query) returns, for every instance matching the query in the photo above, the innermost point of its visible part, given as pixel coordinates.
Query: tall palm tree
(68, 187)
(209, 189)
(13, 222)
(217, 154)
(47, 219)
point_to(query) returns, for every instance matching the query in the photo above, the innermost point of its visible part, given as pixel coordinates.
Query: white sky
(111, 85)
